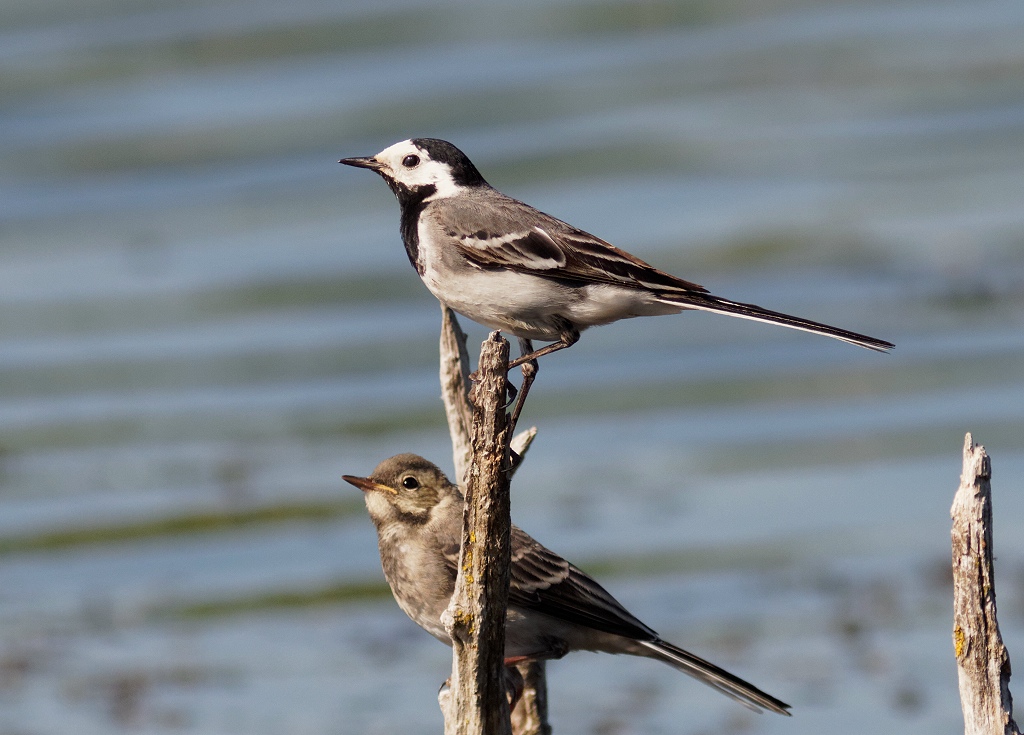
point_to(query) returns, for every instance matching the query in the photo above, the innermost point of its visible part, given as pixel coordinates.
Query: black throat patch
(412, 201)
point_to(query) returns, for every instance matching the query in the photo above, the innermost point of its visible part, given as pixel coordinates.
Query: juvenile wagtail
(553, 607)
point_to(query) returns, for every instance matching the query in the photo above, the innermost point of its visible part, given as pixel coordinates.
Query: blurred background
(205, 322)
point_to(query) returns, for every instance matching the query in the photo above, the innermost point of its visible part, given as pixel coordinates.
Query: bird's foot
(512, 392)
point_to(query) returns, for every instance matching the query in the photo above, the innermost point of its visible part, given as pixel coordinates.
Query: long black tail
(705, 671)
(707, 302)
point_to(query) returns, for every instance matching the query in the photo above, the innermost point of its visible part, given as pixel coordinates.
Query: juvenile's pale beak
(367, 485)
(363, 162)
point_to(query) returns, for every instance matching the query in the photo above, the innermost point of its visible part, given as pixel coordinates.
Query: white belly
(525, 305)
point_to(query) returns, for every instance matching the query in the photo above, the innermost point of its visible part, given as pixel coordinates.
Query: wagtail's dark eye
(411, 161)
(409, 482)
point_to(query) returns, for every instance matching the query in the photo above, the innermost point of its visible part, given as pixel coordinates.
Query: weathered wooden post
(484, 464)
(982, 661)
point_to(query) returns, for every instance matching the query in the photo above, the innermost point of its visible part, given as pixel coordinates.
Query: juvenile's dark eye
(409, 482)
(411, 161)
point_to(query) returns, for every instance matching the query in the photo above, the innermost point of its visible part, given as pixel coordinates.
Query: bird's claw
(512, 392)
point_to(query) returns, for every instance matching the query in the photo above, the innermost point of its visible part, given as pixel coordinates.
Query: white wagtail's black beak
(363, 162)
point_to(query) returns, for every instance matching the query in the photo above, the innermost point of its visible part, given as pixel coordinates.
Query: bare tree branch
(530, 715)
(983, 663)
(455, 392)
(455, 396)
(475, 618)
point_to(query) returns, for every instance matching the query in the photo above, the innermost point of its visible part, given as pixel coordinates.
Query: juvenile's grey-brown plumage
(553, 607)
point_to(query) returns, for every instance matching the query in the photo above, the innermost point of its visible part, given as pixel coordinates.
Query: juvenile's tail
(705, 671)
(707, 302)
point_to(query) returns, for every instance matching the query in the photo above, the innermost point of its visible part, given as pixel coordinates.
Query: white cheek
(376, 504)
(445, 187)
(429, 173)
(420, 176)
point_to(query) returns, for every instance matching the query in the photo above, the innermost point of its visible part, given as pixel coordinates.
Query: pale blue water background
(202, 313)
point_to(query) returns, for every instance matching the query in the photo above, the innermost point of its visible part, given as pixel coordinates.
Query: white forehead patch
(426, 173)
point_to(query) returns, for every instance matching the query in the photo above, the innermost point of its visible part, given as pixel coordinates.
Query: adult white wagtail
(553, 607)
(511, 267)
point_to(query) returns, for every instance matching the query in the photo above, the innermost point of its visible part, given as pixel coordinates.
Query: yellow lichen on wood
(959, 641)
(463, 618)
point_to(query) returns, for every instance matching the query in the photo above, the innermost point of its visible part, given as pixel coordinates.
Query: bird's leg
(529, 369)
(545, 350)
(566, 338)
